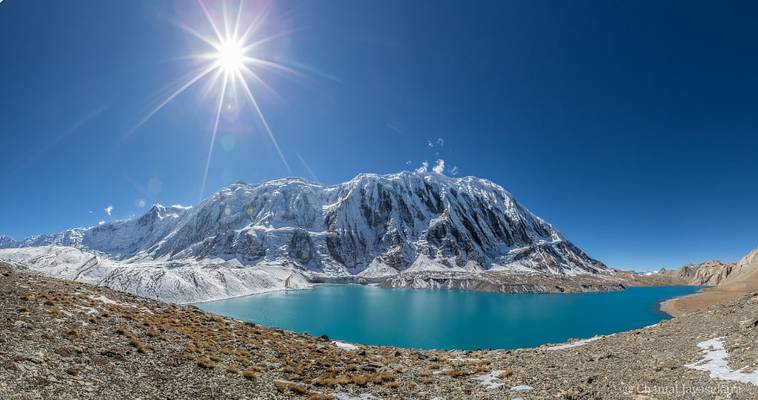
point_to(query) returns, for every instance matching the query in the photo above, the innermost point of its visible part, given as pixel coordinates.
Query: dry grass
(137, 344)
(249, 373)
(205, 363)
(360, 380)
(456, 373)
(505, 374)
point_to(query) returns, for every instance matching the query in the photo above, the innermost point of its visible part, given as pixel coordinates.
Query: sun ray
(171, 97)
(274, 65)
(210, 21)
(196, 34)
(270, 134)
(235, 56)
(237, 19)
(261, 82)
(267, 39)
(213, 134)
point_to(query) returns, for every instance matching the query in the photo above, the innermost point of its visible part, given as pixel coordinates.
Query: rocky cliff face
(709, 273)
(744, 275)
(372, 225)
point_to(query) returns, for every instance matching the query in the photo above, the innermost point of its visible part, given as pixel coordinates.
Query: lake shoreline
(79, 341)
(383, 316)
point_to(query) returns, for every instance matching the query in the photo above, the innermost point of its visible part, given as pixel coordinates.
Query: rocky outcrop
(709, 273)
(736, 280)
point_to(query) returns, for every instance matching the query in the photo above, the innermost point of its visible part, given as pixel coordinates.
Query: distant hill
(731, 280)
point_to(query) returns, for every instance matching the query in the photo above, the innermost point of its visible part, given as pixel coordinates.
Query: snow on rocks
(490, 380)
(716, 362)
(105, 300)
(522, 388)
(576, 343)
(464, 360)
(345, 346)
(185, 281)
(348, 396)
(372, 226)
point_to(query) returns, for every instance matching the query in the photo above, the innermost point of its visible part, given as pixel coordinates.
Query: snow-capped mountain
(372, 224)
(7, 242)
(369, 227)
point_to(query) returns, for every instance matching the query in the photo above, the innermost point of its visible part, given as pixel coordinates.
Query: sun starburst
(231, 61)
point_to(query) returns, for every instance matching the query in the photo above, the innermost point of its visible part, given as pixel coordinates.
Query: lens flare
(230, 63)
(230, 57)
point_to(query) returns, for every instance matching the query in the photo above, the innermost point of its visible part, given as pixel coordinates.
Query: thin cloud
(423, 168)
(432, 143)
(108, 210)
(394, 128)
(439, 167)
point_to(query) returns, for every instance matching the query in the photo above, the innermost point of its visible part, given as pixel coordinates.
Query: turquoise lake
(447, 319)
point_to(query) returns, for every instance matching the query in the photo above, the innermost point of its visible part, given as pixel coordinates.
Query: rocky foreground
(70, 340)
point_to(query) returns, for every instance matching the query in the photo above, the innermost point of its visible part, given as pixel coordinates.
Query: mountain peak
(399, 221)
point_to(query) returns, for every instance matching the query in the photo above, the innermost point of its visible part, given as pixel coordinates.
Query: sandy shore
(701, 300)
(710, 296)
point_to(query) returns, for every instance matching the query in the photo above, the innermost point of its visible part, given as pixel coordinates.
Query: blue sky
(631, 126)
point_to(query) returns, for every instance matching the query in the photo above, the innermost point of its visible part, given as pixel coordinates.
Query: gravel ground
(68, 340)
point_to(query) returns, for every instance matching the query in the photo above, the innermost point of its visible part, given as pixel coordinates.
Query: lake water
(447, 319)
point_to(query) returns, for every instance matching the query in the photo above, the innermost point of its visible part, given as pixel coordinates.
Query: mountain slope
(394, 220)
(738, 279)
(370, 227)
(709, 273)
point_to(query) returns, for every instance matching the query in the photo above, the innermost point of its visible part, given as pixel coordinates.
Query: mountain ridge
(174, 232)
(371, 226)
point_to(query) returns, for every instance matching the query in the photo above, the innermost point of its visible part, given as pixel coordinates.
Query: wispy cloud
(108, 210)
(394, 128)
(423, 168)
(432, 143)
(439, 167)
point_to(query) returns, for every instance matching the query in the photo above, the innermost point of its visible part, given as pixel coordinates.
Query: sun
(231, 65)
(230, 56)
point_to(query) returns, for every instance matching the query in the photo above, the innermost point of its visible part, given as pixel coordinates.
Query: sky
(630, 126)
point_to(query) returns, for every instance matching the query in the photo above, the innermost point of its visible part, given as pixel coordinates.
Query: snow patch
(522, 388)
(576, 343)
(348, 396)
(103, 299)
(716, 362)
(345, 346)
(490, 380)
(464, 360)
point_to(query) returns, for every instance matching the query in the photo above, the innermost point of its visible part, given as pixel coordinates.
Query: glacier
(290, 232)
